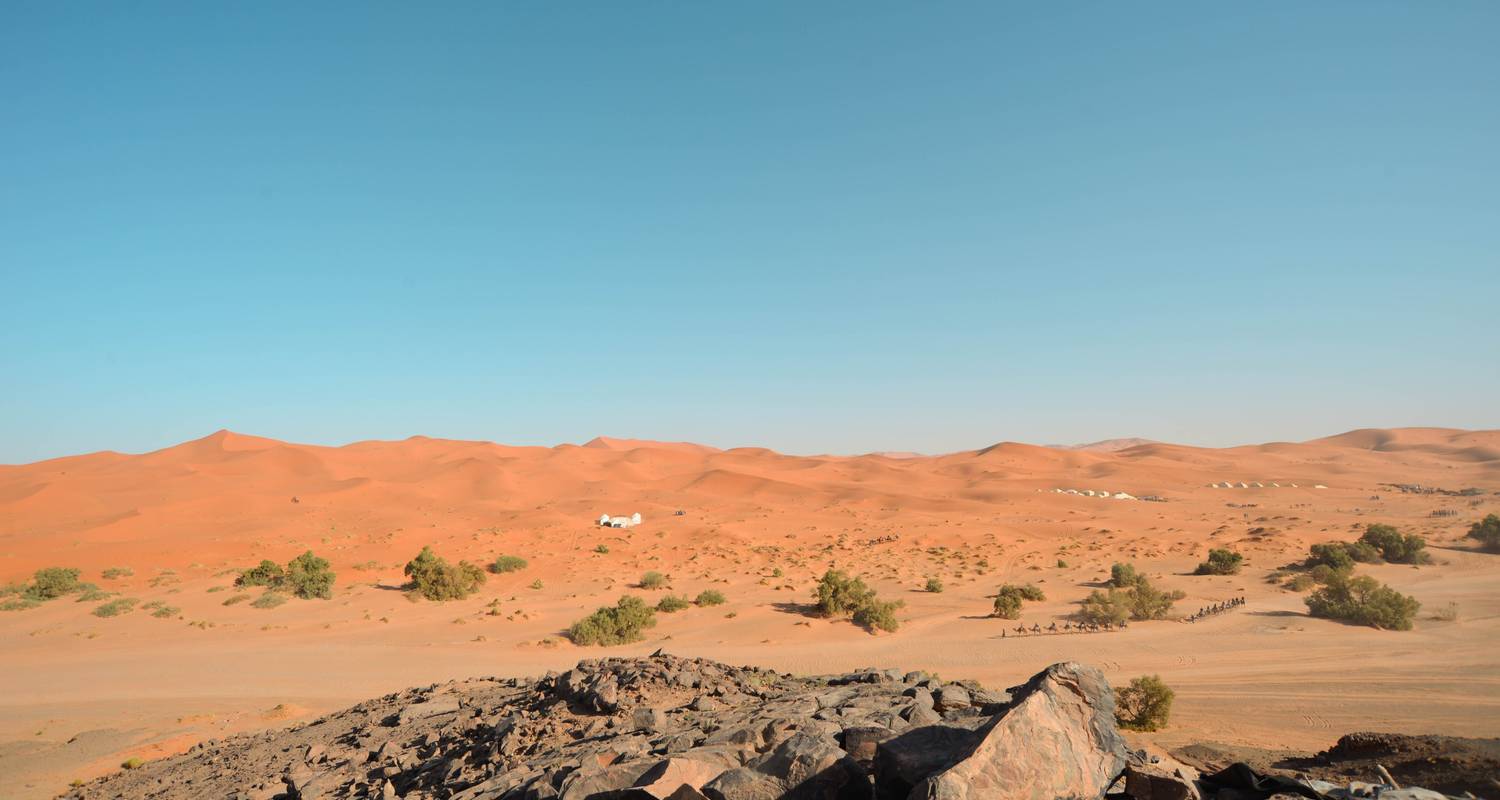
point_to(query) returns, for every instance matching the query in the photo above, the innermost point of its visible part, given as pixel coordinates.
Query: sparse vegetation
(1123, 576)
(879, 614)
(434, 578)
(672, 603)
(115, 608)
(1009, 599)
(233, 599)
(117, 572)
(601, 549)
(267, 573)
(89, 593)
(1061, 564)
(1138, 599)
(269, 600)
(653, 580)
(1301, 583)
(711, 597)
(1362, 600)
(1144, 705)
(165, 612)
(504, 564)
(308, 576)
(1396, 547)
(1221, 562)
(1487, 533)
(935, 585)
(132, 763)
(621, 623)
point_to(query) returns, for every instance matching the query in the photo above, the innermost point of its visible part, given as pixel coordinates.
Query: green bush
(1363, 600)
(672, 603)
(601, 549)
(434, 578)
(653, 580)
(115, 608)
(1334, 555)
(1221, 562)
(1363, 552)
(1302, 583)
(1396, 547)
(20, 603)
(879, 614)
(89, 593)
(935, 585)
(268, 573)
(1323, 574)
(1008, 600)
(1144, 705)
(132, 763)
(308, 576)
(165, 611)
(1123, 576)
(1105, 608)
(1007, 605)
(839, 595)
(711, 597)
(505, 564)
(1139, 601)
(1487, 533)
(52, 582)
(621, 623)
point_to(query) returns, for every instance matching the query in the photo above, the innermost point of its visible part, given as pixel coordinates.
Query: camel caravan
(1068, 627)
(1216, 609)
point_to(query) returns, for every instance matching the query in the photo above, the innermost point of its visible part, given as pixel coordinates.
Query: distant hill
(1105, 445)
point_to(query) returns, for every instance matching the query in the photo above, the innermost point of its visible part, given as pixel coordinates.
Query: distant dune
(1105, 445)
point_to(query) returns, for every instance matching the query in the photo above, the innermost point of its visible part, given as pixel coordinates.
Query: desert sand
(82, 693)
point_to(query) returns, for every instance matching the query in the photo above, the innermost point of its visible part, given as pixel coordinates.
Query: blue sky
(830, 227)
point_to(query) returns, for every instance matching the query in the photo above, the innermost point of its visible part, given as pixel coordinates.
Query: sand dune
(758, 525)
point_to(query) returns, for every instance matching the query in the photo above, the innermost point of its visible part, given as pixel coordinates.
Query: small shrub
(1007, 605)
(1448, 613)
(269, 600)
(1031, 592)
(879, 614)
(1396, 547)
(89, 593)
(1363, 600)
(52, 582)
(434, 578)
(1487, 533)
(19, 604)
(621, 623)
(132, 763)
(1334, 555)
(233, 599)
(308, 577)
(1301, 583)
(1221, 562)
(1105, 608)
(1123, 576)
(672, 603)
(504, 564)
(653, 580)
(117, 572)
(1061, 564)
(935, 585)
(839, 595)
(267, 573)
(1323, 574)
(776, 573)
(711, 597)
(601, 549)
(164, 612)
(1144, 705)
(115, 608)
(1149, 602)
(536, 584)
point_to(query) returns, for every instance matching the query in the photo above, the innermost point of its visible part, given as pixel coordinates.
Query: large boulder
(1057, 739)
(806, 766)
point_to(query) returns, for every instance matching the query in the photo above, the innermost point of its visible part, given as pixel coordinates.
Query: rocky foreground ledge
(669, 728)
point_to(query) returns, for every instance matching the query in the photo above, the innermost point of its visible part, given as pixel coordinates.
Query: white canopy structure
(606, 521)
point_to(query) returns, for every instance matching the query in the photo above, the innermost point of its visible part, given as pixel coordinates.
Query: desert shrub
(839, 595)
(267, 573)
(1363, 600)
(505, 564)
(1029, 591)
(1323, 574)
(117, 572)
(621, 623)
(1394, 546)
(1363, 552)
(308, 576)
(233, 599)
(1123, 576)
(653, 580)
(1144, 705)
(777, 573)
(1105, 608)
(878, 614)
(1149, 602)
(132, 763)
(711, 597)
(1301, 583)
(536, 584)
(52, 582)
(1220, 562)
(269, 600)
(115, 608)
(89, 593)
(1487, 533)
(1334, 555)
(602, 549)
(935, 585)
(1007, 605)
(434, 578)
(672, 603)
(165, 611)
(1061, 564)
(20, 603)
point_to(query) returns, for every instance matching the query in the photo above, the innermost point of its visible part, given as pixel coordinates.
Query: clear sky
(817, 227)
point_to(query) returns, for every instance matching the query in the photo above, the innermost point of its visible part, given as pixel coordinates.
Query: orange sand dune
(759, 526)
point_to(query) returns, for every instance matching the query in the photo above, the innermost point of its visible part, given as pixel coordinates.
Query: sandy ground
(81, 693)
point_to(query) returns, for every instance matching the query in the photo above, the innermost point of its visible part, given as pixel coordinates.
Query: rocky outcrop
(669, 728)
